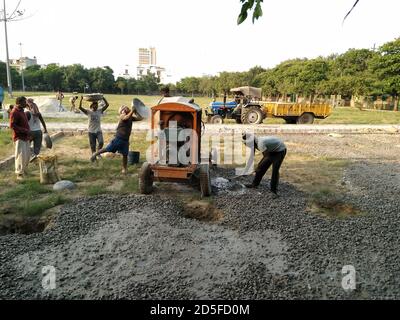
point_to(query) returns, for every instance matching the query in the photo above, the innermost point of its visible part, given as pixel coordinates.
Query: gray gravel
(140, 247)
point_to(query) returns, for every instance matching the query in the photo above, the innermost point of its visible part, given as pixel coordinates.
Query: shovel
(237, 177)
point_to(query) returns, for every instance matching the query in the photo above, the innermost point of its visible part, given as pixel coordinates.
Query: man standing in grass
(35, 119)
(96, 140)
(120, 143)
(21, 134)
(60, 97)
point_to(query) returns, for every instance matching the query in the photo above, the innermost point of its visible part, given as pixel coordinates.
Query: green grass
(356, 116)
(131, 184)
(38, 207)
(95, 190)
(30, 198)
(343, 115)
(26, 189)
(6, 144)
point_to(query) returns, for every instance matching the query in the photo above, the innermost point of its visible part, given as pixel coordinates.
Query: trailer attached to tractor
(248, 108)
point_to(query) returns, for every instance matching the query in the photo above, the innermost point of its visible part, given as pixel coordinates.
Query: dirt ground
(338, 206)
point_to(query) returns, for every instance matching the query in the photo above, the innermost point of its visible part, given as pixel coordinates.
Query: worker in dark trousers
(274, 152)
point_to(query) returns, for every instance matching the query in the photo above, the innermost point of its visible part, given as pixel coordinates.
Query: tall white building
(148, 64)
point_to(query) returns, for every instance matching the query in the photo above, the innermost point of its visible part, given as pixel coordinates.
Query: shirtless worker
(274, 152)
(72, 101)
(120, 143)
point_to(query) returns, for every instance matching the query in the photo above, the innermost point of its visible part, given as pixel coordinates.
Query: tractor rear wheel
(145, 179)
(217, 119)
(205, 180)
(306, 118)
(252, 115)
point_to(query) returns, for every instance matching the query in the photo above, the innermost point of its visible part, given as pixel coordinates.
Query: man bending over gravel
(274, 152)
(120, 143)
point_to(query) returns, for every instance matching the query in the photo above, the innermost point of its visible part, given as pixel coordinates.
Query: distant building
(126, 73)
(148, 64)
(147, 56)
(23, 63)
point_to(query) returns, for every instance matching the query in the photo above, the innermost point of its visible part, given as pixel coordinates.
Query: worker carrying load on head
(274, 152)
(120, 143)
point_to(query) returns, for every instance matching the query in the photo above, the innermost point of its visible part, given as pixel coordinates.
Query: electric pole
(16, 15)
(22, 68)
(7, 57)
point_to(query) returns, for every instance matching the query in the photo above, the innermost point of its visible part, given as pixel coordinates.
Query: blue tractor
(218, 111)
(244, 109)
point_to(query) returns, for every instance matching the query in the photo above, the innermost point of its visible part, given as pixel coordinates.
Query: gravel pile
(318, 247)
(142, 247)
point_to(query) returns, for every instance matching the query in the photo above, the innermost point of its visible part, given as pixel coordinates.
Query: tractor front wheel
(205, 180)
(146, 179)
(217, 119)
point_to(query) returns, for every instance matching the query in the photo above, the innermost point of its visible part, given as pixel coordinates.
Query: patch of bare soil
(202, 211)
(24, 225)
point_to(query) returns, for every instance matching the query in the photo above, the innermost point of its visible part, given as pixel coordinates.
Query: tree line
(357, 72)
(77, 78)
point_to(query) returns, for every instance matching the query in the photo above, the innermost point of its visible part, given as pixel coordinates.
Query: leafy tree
(386, 65)
(150, 83)
(75, 78)
(121, 84)
(207, 86)
(101, 79)
(34, 78)
(189, 85)
(247, 5)
(252, 74)
(53, 77)
(15, 76)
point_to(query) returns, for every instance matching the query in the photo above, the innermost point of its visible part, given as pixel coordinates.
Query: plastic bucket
(133, 157)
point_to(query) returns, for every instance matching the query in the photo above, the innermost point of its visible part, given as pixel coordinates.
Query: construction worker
(120, 143)
(274, 152)
(164, 93)
(95, 133)
(72, 101)
(35, 119)
(21, 136)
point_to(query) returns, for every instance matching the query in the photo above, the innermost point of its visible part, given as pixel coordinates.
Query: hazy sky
(195, 37)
